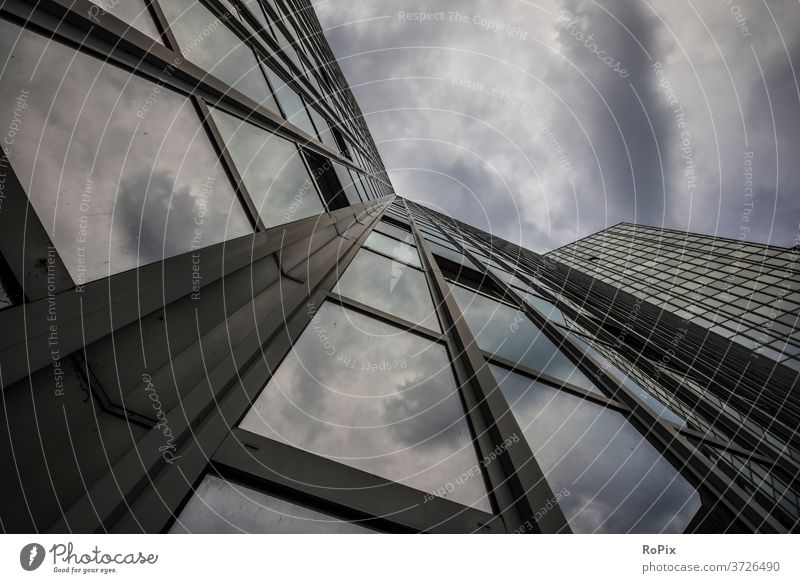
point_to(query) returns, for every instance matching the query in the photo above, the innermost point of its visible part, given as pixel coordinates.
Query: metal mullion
(386, 317)
(150, 59)
(668, 440)
(337, 488)
(518, 487)
(555, 383)
(145, 484)
(718, 443)
(84, 316)
(218, 142)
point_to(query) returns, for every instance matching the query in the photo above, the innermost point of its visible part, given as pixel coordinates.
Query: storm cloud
(543, 122)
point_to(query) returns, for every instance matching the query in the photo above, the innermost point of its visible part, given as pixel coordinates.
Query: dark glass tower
(218, 316)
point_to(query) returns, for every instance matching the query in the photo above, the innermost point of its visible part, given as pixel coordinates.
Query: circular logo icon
(31, 556)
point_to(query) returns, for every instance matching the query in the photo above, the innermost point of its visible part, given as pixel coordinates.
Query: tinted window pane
(547, 309)
(221, 507)
(507, 277)
(323, 130)
(650, 400)
(502, 330)
(389, 286)
(374, 397)
(255, 9)
(118, 177)
(134, 12)
(395, 232)
(393, 247)
(616, 481)
(346, 181)
(272, 169)
(293, 108)
(221, 52)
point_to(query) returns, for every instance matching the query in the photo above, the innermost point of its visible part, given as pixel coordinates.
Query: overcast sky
(543, 121)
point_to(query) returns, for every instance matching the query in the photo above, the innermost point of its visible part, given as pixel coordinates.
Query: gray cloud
(479, 112)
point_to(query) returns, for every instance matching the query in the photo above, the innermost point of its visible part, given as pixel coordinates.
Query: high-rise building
(218, 317)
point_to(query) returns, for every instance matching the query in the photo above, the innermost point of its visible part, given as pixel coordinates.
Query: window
(616, 481)
(547, 309)
(508, 333)
(346, 181)
(323, 129)
(389, 286)
(134, 12)
(118, 179)
(394, 248)
(272, 169)
(294, 110)
(221, 52)
(222, 507)
(374, 397)
(395, 232)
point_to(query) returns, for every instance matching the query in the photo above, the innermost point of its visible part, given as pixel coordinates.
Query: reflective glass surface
(389, 286)
(134, 12)
(220, 52)
(255, 9)
(609, 368)
(547, 309)
(506, 332)
(374, 397)
(323, 130)
(395, 232)
(293, 108)
(507, 277)
(346, 180)
(393, 247)
(119, 178)
(272, 169)
(222, 507)
(614, 480)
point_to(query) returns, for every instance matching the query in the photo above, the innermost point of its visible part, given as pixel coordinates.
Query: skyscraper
(219, 317)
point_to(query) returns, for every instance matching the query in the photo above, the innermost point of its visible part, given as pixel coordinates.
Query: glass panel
(447, 253)
(255, 9)
(293, 108)
(544, 307)
(506, 332)
(389, 286)
(508, 278)
(395, 232)
(134, 12)
(374, 397)
(119, 169)
(323, 130)
(272, 169)
(393, 247)
(220, 52)
(359, 186)
(346, 180)
(5, 299)
(222, 507)
(614, 480)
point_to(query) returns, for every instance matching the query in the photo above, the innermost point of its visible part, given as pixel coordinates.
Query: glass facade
(256, 326)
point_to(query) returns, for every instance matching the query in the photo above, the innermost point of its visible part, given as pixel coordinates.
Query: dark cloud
(505, 116)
